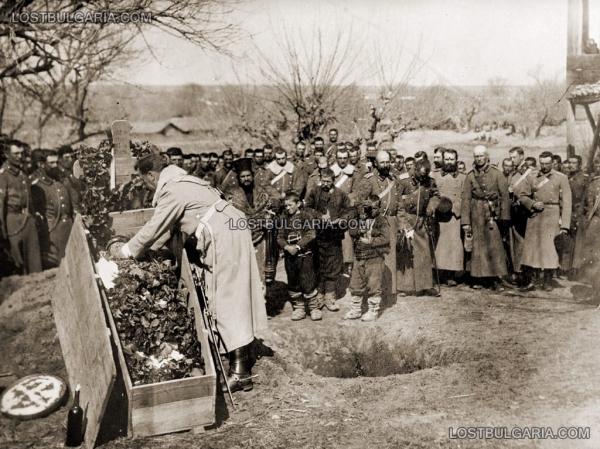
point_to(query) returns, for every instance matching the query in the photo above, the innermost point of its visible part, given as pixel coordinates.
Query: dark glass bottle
(75, 423)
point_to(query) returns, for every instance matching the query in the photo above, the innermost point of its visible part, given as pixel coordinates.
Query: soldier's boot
(314, 306)
(330, 302)
(240, 377)
(298, 306)
(321, 299)
(373, 313)
(355, 311)
(546, 276)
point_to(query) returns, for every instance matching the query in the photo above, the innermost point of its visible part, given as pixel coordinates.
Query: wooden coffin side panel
(128, 222)
(118, 411)
(184, 403)
(82, 331)
(173, 416)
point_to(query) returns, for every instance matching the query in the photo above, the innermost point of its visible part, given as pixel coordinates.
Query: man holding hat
(449, 251)
(419, 199)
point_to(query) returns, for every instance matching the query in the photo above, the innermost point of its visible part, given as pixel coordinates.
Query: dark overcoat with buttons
(485, 200)
(52, 200)
(17, 224)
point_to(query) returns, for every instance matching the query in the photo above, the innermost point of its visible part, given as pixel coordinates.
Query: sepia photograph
(281, 224)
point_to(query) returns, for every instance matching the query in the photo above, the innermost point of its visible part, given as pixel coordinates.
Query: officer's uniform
(554, 191)
(53, 201)
(518, 215)
(17, 223)
(485, 201)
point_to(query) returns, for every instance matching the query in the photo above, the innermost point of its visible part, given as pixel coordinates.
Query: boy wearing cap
(371, 244)
(297, 238)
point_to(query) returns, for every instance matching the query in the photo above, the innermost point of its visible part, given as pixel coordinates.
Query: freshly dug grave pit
(370, 356)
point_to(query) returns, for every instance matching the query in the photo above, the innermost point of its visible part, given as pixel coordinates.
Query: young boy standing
(296, 238)
(371, 244)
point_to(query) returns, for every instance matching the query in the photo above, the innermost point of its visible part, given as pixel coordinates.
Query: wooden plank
(173, 416)
(176, 390)
(574, 27)
(592, 149)
(590, 117)
(122, 407)
(128, 222)
(82, 331)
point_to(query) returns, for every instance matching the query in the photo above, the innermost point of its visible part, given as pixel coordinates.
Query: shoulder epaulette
(368, 175)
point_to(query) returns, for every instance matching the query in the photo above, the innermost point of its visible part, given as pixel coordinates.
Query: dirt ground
(469, 358)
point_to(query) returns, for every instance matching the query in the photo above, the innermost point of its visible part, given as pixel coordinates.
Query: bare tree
(497, 86)
(310, 79)
(243, 107)
(394, 73)
(57, 62)
(538, 105)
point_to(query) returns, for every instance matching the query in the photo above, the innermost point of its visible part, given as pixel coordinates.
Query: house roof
(183, 124)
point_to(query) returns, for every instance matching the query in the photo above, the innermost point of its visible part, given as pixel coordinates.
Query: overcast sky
(461, 42)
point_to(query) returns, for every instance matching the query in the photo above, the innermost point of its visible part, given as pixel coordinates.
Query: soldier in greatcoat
(224, 246)
(547, 196)
(485, 213)
(518, 212)
(590, 254)
(449, 251)
(284, 176)
(419, 198)
(343, 179)
(314, 179)
(52, 202)
(17, 223)
(578, 181)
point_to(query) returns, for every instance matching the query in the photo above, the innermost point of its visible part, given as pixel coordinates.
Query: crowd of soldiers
(518, 226)
(394, 224)
(39, 196)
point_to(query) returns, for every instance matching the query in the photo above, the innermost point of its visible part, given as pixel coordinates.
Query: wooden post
(574, 29)
(592, 150)
(585, 21)
(123, 163)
